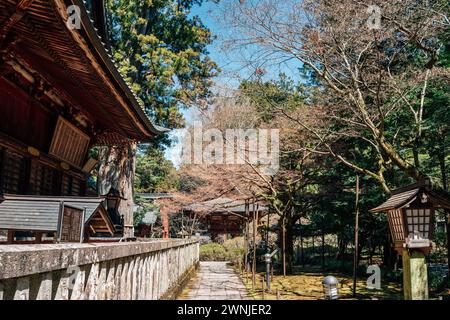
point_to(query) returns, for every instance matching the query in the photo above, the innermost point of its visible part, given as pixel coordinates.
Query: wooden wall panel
(23, 118)
(12, 173)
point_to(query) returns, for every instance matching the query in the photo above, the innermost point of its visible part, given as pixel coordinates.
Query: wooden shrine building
(225, 216)
(60, 94)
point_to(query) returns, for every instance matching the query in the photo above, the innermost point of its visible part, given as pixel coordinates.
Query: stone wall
(113, 271)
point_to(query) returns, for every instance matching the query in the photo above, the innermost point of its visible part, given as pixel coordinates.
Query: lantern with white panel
(411, 216)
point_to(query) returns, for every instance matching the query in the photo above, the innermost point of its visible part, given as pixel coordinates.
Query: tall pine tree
(162, 50)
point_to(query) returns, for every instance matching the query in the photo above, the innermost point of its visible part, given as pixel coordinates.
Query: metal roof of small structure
(40, 213)
(406, 195)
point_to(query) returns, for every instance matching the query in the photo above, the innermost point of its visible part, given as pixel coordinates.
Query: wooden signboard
(69, 143)
(71, 225)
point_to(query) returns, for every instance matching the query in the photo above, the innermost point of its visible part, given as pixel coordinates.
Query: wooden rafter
(14, 17)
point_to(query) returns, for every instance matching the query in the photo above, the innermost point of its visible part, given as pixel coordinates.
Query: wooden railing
(113, 271)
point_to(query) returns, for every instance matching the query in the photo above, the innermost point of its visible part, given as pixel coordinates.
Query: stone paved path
(215, 281)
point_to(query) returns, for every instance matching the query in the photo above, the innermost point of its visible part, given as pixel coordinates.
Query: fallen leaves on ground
(307, 285)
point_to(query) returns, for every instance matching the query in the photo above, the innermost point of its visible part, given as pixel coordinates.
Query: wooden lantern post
(411, 222)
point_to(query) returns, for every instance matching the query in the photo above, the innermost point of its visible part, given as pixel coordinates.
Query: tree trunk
(343, 252)
(361, 245)
(441, 159)
(389, 254)
(302, 252)
(416, 154)
(371, 253)
(116, 170)
(323, 249)
(287, 246)
(447, 227)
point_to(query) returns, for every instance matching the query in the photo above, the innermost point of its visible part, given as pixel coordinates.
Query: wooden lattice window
(66, 185)
(419, 221)
(69, 143)
(13, 170)
(76, 187)
(71, 186)
(396, 225)
(35, 177)
(49, 181)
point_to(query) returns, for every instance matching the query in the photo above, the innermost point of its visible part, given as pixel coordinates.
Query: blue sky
(231, 63)
(205, 12)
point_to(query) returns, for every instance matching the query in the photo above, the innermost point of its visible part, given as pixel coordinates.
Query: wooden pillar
(415, 276)
(283, 241)
(165, 221)
(356, 248)
(247, 213)
(254, 247)
(225, 224)
(10, 239)
(38, 237)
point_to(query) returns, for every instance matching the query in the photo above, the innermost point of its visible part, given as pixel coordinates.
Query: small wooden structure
(68, 219)
(225, 216)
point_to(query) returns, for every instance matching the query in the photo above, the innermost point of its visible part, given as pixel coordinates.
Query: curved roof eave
(107, 59)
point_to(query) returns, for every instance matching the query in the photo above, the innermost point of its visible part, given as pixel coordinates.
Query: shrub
(231, 250)
(437, 279)
(213, 252)
(235, 250)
